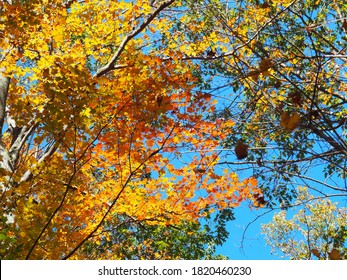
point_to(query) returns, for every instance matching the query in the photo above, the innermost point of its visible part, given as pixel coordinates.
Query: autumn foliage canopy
(102, 125)
(125, 124)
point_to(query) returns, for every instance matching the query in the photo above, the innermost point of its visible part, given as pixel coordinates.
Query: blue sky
(254, 247)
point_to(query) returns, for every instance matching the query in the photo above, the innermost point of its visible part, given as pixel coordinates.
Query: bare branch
(337, 146)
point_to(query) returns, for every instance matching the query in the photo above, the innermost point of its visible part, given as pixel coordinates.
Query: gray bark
(4, 84)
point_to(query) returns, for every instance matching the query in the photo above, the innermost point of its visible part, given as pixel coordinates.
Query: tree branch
(4, 85)
(20, 140)
(330, 140)
(118, 196)
(49, 152)
(110, 66)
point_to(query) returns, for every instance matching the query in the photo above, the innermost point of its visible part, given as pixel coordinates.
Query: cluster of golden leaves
(111, 131)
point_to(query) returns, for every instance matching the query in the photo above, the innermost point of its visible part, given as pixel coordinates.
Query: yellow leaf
(86, 112)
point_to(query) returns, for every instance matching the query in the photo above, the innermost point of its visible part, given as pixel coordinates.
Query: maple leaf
(290, 121)
(254, 74)
(264, 66)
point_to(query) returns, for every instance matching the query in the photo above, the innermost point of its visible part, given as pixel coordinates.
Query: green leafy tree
(131, 239)
(279, 69)
(317, 231)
